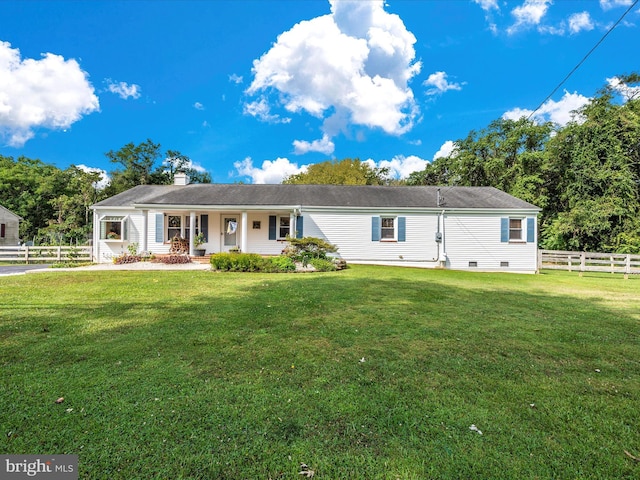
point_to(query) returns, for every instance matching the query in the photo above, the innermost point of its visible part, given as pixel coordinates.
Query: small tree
(306, 248)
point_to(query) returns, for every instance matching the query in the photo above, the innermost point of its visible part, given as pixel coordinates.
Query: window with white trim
(515, 229)
(387, 228)
(284, 227)
(113, 227)
(180, 225)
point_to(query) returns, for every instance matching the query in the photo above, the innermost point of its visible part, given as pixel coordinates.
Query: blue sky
(254, 90)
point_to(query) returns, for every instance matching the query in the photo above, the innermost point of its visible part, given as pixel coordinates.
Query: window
(284, 227)
(515, 229)
(113, 228)
(387, 228)
(512, 229)
(3, 228)
(256, 224)
(174, 226)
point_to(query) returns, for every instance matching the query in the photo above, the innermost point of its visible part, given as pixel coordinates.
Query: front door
(229, 233)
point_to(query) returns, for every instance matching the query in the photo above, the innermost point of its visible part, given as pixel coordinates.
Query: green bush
(237, 262)
(322, 265)
(281, 264)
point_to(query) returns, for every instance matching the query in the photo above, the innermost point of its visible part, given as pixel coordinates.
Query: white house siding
(258, 239)
(351, 232)
(106, 250)
(11, 226)
(476, 238)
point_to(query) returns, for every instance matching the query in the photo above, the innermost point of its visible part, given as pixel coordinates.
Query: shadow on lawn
(341, 370)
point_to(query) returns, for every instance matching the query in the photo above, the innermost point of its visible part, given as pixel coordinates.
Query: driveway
(19, 269)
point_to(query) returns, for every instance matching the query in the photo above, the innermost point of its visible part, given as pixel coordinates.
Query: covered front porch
(253, 231)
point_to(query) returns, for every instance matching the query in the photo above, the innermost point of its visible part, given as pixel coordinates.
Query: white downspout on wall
(244, 232)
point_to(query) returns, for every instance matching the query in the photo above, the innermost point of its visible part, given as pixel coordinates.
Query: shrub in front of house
(175, 259)
(251, 262)
(323, 265)
(237, 262)
(280, 264)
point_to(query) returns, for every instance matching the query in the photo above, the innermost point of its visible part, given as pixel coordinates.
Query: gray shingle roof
(364, 196)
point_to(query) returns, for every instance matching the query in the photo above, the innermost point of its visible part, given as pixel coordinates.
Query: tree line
(55, 204)
(584, 176)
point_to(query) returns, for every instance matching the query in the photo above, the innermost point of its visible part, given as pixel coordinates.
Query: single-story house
(479, 228)
(9, 226)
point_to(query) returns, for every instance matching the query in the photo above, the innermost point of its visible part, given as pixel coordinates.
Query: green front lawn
(372, 372)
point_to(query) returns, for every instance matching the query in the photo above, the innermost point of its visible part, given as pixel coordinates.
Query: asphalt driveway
(18, 269)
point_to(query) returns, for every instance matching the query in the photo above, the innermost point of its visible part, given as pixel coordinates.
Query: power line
(584, 58)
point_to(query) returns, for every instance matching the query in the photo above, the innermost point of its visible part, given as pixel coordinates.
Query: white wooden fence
(50, 254)
(589, 262)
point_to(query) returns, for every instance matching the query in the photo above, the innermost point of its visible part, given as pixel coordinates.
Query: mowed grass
(369, 373)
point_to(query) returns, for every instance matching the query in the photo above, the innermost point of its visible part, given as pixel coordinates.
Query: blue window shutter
(272, 227)
(299, 225)
(531, 229)
(504, 229)
(204, 226)
(159, 228)
(402, 229)
(375, 229)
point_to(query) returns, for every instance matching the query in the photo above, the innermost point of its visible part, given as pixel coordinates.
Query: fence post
(583, 262)
(627, 266)
(26, 254)
(539, 261)
(59, 253)
(612, 264)
(569, 261)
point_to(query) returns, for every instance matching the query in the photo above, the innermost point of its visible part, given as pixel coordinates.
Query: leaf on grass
(60, 400)
(305, 471)
(473, 428)
(632, 457)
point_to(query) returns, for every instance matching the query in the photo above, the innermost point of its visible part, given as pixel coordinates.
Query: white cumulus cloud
(580, 21)
(439, 83)
(560, 112)
(530, 13)
(237, 79)
(609, 4)
(446, 149)
(262, 111)
(270, 172)
(104, 176)
(488, 5)
(324, 145)
(354, 64)
(123, 89)
(627, 92)
(50, 92)
(198, 106)
(400, 166)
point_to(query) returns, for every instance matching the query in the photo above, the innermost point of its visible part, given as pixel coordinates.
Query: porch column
(145, 230)
(292, 225)
(96, 238)
(244, 231)
(192, 229)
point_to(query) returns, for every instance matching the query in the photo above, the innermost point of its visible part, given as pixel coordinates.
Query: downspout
(442, 258)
